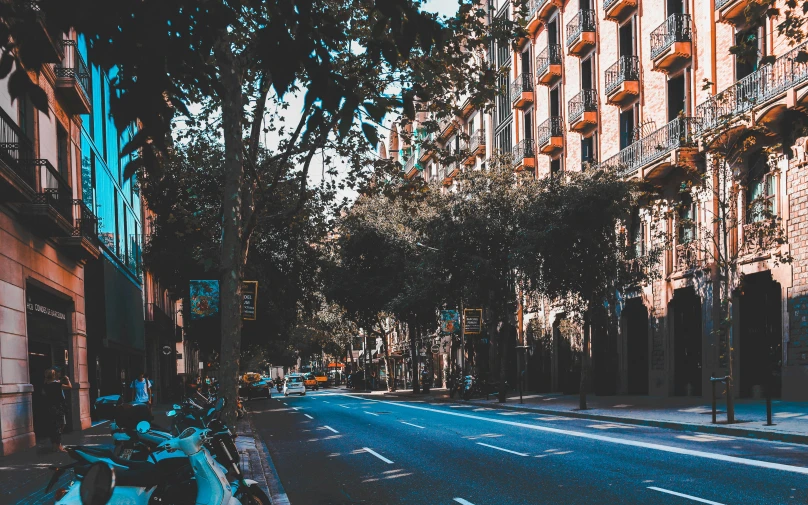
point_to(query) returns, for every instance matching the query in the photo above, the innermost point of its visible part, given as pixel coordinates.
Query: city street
(332, 447)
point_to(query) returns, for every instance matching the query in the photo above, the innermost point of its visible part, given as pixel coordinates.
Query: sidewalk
(790, 419)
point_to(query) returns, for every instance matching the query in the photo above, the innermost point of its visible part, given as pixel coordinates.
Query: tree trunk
(232, 251)
(416, 388)
(504, 333)
(585, 363)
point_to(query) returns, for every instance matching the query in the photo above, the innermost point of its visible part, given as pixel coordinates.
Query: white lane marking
(295, 408)
(410, 424)
(371, 451)
(682, 495)
(501, 449)
(461, 501)
(614, 440)
(308, 416)
(397, 475)
(525, 397)
(562, 452)
(330, 428)
(345, 406)
(326, 401)
(371, 413)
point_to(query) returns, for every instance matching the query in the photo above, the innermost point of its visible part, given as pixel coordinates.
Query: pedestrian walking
(142, 391)
(65, 380)
(56, 406)
(151, 388)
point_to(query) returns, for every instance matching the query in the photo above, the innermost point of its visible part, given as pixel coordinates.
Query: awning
(336, 365)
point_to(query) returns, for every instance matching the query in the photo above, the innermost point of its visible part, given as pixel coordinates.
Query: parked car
(310, 381)
(293, 384)
(258, 389)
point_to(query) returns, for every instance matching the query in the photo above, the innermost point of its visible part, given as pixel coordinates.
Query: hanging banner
(204, 298)
(449, 321)
(249, 300)
(473, 320)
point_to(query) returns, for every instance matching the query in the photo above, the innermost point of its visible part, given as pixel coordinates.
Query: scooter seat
(142, 474)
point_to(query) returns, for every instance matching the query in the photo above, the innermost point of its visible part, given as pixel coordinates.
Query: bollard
(768, 406)
(725, 380)
(712, 383)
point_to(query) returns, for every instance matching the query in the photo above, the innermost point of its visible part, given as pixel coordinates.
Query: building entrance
(760, 323)
(687, 361)
(636, 324)
(47, 321)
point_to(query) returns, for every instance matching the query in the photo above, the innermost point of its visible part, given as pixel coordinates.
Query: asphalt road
(331, 447)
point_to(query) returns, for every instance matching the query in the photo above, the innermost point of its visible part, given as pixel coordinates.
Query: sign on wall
(249, 300)
(473, 320)
(204, 298)
(449, 321)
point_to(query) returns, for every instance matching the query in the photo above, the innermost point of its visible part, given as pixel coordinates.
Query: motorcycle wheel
(254, 496)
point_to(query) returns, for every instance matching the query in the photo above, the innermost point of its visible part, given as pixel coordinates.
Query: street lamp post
(520, 367)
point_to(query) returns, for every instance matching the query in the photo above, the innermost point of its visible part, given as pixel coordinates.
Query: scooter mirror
(97, 485)
(220, 403)
(177, 407)
(143, 427)
(171, 413)
(211, 411)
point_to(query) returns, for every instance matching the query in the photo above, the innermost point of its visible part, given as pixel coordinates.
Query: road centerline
(682, 495)
(330, 428)
(461, 501)
(410, 424)
(308, 416)
(371, 451)
(502, 449)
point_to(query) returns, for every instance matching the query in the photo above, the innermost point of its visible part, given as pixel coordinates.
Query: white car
(294, 384)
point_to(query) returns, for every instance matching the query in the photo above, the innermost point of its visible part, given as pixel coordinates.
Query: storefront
(48, 320)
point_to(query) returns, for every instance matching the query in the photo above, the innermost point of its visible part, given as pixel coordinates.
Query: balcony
(618, 10)
(544, 8)
(671, 43)
(524, 155)
(522, 91)
(36, 35)
(446, 127)
(583, 110)
(730, 11)
(623, 80)
(83, 243)
(410, 168)
(475, 147)
(51, 209)
(676, 143)
(551, 135)
(581, 32)
(427, 148)
(548, 65)
(759, 238)
(17, 176)
(451, 169)
(533, 19)
(768, 84)
(73, 80)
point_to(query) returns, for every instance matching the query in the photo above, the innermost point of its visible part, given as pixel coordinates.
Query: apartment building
(638, 87)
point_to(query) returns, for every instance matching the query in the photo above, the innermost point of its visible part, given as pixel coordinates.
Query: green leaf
(371, 134)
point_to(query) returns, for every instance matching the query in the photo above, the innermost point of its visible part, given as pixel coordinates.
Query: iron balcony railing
(626, 68)
(760, 86)
(525, 148)
(551, 55)
(54, 190)
(86, 223)
(608, 3)
(522, 84)
(687, 256)
(553, 127)
(476, 140)
(533, 6)
(16, 150)
(445, 123)
(585, 101)
(677, 28)
(583, 21)
(721, 3)
(409, 164)
(681, 132)
(73, 66)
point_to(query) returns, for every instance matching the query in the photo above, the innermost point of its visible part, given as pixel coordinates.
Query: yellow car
(310, 381)
(322, 379)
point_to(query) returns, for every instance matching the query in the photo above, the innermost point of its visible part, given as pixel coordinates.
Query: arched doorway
(761, 340)
(635, 317)
(687, 358)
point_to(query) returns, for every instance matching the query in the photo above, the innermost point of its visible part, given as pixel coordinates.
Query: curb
(791, 438)
(276, 493)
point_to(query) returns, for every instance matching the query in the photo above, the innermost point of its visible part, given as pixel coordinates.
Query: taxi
(310, 381)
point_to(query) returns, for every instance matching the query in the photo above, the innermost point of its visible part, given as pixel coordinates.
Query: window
(504, 139)
(626, 35)
(27, 114)
(638, 235)
(552, 31)
(555, 102)
(676, 96)
(555, 166)
(761, 193)
(529, 124)
(587, 151)
(526, 61)
(627, 127)
(62, 156)
(687, 220)
(586, 74)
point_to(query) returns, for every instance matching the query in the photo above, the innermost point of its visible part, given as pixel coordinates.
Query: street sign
(474, 320)
(166, 350)
(435, 348)
(249, 296)
(449, 321)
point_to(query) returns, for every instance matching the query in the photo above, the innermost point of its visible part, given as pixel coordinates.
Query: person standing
(56, 406)
(61, 373)
(141, 389)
